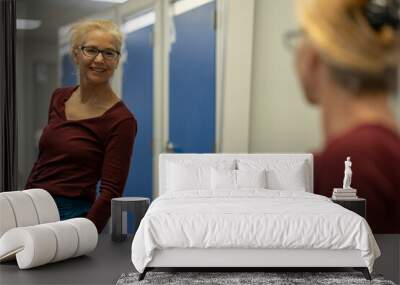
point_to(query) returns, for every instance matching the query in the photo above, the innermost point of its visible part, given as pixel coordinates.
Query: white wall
(281, 120)
(237, 72)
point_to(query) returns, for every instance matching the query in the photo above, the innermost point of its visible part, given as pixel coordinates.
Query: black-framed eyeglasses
(291, 38)
(92, 52)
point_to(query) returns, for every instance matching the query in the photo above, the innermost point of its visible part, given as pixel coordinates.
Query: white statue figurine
(347, 174)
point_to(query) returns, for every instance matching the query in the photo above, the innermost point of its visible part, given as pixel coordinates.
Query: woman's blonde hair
(79, 31)
(341, 32)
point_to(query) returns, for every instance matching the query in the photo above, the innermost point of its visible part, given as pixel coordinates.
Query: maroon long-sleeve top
(375, 153)
(75, 154)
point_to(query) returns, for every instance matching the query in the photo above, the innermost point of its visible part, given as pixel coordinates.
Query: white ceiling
(54, 14)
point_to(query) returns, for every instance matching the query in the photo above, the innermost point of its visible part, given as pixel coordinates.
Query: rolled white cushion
(23, 208)
(40, 244)
(33, 246)
(87, 235)
(7, 218)
(45, 205)
(67, 240)
(26, 208)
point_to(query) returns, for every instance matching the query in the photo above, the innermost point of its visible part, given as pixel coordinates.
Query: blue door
(138, 96)
(192, 81)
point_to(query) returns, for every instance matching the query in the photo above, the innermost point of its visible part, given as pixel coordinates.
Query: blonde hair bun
(342, 33)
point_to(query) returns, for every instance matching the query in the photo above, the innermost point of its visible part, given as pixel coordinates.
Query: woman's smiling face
(99, 68)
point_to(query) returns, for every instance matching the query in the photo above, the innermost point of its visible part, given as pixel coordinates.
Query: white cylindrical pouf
(67, 239)
(23, 208)
(45, 205)
(40, 244)
(7, 218)
(34, 246)
(87, 234)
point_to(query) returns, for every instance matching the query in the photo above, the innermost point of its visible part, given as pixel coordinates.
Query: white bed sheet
(250, 218)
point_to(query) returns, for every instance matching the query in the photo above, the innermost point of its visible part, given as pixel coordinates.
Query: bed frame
(249, 259)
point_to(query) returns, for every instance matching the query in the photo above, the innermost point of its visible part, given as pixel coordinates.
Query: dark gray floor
(102, 266)
(110, 259)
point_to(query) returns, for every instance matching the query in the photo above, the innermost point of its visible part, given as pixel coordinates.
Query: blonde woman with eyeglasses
(347, 62)
(90, 132)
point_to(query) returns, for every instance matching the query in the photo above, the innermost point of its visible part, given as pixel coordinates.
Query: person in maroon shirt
(347, 62)
(90, 132)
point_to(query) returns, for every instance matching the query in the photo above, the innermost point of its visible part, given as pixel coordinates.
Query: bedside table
(357, 205)
(137, 205)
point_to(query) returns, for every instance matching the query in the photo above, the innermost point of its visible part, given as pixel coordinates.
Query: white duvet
(250, 218)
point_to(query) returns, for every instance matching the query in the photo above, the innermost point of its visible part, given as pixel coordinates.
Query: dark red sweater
(375, 153)
(75, 155)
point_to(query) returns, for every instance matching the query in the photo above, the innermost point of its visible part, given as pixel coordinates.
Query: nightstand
(137, 205)
(357, 205)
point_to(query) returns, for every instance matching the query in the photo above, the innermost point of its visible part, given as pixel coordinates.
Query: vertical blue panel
(138, 96)
(68, 71)
(192, 82)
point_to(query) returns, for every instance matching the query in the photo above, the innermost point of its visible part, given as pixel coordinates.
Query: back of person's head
(359, 40)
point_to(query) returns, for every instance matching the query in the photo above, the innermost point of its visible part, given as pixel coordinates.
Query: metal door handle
(170, 148)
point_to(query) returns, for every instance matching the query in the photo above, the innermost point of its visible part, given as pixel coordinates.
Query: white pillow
(191, 174)
(223, 179)
(290, 179)
(282, 174)
(182, 177)
(251, 178)
(237, 179)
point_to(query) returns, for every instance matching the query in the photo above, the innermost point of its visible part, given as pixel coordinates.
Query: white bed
(247, 210)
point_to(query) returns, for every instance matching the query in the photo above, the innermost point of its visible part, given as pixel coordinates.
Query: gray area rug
(269, 278)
